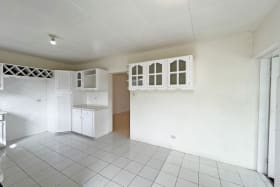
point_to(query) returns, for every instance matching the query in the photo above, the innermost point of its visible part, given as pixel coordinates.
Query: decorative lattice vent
(24, 71)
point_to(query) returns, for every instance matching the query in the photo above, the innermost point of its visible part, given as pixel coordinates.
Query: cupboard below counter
(91, 121)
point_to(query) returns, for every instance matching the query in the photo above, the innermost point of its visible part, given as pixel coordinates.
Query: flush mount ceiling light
(52, 39)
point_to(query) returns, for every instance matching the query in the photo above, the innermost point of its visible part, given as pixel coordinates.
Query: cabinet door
(87, 123)
(156, 74)
(1, 77)
(136, 76)
(180, 72)
(79, 79)
(77, 120)
(63, 80)
(63, 113)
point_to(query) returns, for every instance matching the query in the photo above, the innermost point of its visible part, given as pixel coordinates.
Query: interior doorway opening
(121, 104)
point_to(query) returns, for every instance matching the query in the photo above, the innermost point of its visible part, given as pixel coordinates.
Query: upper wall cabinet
(137, 76)
(156, 78)
(173, 73)
(91, 79)
(180, 72)
(1, 77)
(63, 80)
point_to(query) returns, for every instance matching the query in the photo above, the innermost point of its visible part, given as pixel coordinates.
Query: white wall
(218, 119)
(25, 102)
(10, 57)
(268, 32)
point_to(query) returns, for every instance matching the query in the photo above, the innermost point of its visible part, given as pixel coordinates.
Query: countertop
(90, 107)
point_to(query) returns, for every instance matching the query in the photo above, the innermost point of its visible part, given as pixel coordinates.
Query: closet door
(63, 113)
(87, 123)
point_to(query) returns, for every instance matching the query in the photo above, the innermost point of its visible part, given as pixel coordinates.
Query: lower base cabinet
(91, 123)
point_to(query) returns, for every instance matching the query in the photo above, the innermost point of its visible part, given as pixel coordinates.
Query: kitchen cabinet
(156, 72)
(137, 78)
(91, 79)
(90, 121)
(1, 77)
(165, 74)
(63, 80)
(180, 72)
(77, 120)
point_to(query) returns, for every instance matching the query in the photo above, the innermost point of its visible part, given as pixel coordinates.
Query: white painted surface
(275, 74)
(268, 32)
(218, 119)
(63, 81)
(76, 120)
(25, 101)
(84, 28)
(91, 122)
(59, 103)
(88, 123)
(1, 77)
(264, 103)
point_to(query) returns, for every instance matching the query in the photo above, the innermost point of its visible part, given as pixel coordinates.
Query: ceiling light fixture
(52, 39)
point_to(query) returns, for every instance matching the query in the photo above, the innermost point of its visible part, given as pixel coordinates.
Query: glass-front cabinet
(156, 70)
(137, 77)
(168, 74)
(180, 72)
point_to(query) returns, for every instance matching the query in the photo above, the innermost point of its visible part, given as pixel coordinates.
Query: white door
(87, 123)
(275, 74)
(63, 113)
(77, 120)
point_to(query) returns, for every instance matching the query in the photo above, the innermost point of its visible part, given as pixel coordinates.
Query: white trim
(269, 51)
(263, 127)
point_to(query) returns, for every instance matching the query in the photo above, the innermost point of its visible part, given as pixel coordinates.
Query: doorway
(121, 104)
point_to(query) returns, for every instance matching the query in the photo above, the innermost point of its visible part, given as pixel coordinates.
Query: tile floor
(71, 160)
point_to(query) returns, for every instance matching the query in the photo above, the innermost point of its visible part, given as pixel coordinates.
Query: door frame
(264, 60)
(116, 73)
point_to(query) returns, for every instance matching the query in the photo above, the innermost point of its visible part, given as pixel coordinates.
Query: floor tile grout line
(55, 169)
(17, 165)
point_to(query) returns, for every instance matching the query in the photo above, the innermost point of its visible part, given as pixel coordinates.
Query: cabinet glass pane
(140, 80)
(134, 70)
(182, 78)
(151, 80)
(182, 65)
(173, 66)
(159, 80)
(79, 76)
(159, 68)
(79, 84)
(134, 81)
(152, 68)
(140, 70)
(173, 79)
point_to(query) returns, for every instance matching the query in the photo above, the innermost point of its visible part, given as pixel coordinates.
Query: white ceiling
(90, 29)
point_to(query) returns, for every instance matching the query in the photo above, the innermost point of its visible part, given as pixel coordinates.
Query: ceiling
(91, 29)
